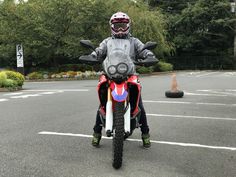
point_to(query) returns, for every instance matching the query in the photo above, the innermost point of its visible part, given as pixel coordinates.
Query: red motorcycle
(119, 92)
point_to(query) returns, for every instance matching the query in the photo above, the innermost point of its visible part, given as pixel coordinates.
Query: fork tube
(109, 113)
(127, 118)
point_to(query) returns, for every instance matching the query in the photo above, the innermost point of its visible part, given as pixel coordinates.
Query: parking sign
(19, 56)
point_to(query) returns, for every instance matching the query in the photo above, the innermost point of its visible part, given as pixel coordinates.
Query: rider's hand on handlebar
(94, 55)
(149, 55)
(97, 55)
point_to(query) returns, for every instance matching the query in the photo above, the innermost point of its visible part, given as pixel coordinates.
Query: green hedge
(144, 70)
(75, 67)
(35, 75)
(162, 66)
(11, 79)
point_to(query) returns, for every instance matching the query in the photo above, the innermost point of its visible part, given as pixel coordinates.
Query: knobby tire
(118, 138)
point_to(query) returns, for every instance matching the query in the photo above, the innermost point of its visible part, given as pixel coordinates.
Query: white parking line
(26, 96)
(47, 93)
(2, 100)
(203, 94)
(184, 102)
(58, 90)
(230, 90)
(207, 74)
(138, 140)
(217, 92)
(193, 117)
(11, 94)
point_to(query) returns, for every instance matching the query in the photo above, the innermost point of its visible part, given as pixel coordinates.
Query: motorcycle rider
(120, 29)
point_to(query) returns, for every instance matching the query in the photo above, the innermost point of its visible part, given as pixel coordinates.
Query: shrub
(3, 78)
(71, 74)
(11, 79)
(15, 76)
(163, 66)
(75, 67)
(9, 83)
(35, 75)
(144, 70)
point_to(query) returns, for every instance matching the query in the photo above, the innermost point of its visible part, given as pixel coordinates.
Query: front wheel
(118, 138)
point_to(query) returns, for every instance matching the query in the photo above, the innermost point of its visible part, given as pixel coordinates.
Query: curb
(93, 78)
(10, 89)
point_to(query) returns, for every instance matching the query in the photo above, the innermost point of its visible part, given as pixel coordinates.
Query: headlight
(122, 68)
(111, 70)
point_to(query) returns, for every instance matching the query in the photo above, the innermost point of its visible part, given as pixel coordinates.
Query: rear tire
(118, 138)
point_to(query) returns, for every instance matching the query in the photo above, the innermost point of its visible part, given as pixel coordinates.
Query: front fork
(109, 115)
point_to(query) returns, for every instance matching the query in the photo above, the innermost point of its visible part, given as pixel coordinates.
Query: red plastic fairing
(119, 91)
(102, 80)
(135, 81)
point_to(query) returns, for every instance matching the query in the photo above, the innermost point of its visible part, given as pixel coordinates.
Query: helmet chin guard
(120, 24)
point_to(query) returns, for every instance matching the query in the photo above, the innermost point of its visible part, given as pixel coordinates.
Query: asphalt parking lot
(46, 129)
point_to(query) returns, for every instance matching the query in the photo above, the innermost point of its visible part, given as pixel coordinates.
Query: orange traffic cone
(174, 92)
(174, 85)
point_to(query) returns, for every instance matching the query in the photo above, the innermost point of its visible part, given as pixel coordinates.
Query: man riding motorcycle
(120, 29)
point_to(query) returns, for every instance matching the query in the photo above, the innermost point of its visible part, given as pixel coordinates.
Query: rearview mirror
(150, 45)
(87, 44)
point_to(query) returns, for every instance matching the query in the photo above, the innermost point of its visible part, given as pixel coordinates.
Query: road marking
(206, 74)
(216, 104)
(217, 92)
(229, 74)
(182, 102)
(192, 117)
(168, 102)
(44, 92)
(138, 140)
(230, 90)
(2, 100)
(11, 94)
(59, 90)
(26, 96)
(202, 94)
(47, 93)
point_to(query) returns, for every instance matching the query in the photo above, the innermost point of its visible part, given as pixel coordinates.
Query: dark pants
(143, 121)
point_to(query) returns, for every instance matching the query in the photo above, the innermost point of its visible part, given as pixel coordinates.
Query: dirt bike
(119, 92)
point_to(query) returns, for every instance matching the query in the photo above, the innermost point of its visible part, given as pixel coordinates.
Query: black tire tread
(118, 139)
(177, 94)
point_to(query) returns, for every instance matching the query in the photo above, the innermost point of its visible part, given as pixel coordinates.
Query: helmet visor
(120, 26)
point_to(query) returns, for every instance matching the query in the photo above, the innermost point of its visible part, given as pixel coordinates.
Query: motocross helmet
(120, 25)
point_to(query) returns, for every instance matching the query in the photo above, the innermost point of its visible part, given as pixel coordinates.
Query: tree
(50, 30)
(204, 29)
(171, 6)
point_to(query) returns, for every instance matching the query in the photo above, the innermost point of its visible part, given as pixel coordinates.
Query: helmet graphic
(120, 24)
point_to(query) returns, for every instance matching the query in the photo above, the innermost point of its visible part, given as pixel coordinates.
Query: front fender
(119, 92)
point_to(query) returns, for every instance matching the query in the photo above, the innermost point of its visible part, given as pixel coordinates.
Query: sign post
(19, 58)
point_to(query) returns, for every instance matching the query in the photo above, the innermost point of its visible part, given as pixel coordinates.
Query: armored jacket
(131, 45)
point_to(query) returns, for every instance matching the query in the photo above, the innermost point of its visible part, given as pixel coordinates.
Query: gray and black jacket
(134, 48)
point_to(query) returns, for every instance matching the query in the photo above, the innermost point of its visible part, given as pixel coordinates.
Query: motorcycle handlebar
(89, 59)
(150, 61)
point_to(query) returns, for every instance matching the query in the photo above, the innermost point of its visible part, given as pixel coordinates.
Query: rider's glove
(94, 54)
(98, 55)
(149, 55)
